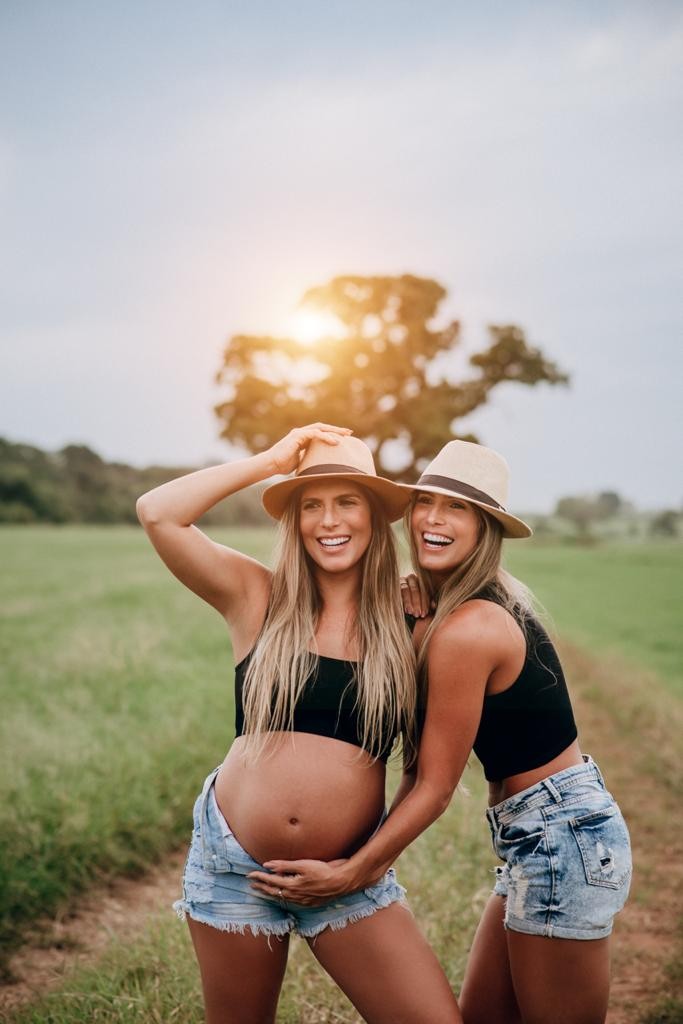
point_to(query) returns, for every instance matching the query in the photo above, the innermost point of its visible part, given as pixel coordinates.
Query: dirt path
(118, 910)
(635, 738)
(636, 742)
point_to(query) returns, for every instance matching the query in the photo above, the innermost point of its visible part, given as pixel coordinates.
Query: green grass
(623, 600)
(117, 698)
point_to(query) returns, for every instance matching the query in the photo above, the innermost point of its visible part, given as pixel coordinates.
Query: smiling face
(445, 531)
(335, 521)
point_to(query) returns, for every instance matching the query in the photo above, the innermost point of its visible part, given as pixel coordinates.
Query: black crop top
(530, 722)
(327, 706)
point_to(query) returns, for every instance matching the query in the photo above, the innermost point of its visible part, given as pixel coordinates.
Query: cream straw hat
(349, 459)
(477, 474)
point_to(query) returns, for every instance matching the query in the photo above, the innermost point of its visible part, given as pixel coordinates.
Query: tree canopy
(584, 510)
(383, 374)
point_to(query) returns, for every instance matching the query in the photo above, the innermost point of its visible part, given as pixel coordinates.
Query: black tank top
(531, 722)
(327, 706)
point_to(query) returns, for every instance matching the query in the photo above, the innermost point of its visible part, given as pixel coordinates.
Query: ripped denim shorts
(567, 856)
(217, 892)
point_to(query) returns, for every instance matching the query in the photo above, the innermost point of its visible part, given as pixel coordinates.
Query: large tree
(383, 373)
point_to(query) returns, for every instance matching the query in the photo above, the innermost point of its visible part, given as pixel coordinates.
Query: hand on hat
(286, 453)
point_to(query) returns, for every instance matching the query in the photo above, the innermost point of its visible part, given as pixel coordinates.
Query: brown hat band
(331, 468)
(449, 484)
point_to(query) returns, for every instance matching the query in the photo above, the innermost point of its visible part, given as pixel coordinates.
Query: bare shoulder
(478, 632)
(472, 623)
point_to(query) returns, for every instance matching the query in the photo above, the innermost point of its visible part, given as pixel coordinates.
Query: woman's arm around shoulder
(222, 576)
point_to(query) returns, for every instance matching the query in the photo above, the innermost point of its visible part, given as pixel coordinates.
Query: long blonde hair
(481, 570)
(282, 660)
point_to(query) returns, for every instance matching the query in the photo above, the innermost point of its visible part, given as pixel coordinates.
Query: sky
(173, 174)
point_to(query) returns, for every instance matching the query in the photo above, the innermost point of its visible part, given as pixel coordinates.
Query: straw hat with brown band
(477, 474)
(349, 459)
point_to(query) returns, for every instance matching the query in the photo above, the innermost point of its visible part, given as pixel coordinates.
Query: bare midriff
(305, 796)
(516, 783)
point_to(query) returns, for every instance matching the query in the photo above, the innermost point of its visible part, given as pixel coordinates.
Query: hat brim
(513, 528)
(393, 498)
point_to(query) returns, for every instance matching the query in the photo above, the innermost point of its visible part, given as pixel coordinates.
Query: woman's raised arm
(223, 577)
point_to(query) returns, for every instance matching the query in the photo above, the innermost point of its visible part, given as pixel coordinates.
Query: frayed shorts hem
(551, 931)
(279, 929)
(360, 914)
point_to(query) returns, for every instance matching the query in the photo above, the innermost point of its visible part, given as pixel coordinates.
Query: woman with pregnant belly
(324, 684)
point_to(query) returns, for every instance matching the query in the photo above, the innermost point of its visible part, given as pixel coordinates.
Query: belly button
(293, 821)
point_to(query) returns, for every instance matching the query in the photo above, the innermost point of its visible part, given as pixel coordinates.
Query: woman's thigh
(387, 969)
(488, 995)
(515, 978)
(241, 974)
(563, 980)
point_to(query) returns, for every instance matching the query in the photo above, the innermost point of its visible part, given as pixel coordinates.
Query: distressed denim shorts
(567, 856)
(217, 892)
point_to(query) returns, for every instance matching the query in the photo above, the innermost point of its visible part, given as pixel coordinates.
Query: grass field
(117, 698)
(621, 599)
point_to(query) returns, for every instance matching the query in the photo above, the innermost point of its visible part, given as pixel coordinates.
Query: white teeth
(333, 542)
(437, 538)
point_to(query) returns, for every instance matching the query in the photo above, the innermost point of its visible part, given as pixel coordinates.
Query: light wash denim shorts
(217, 892)
(567, 856)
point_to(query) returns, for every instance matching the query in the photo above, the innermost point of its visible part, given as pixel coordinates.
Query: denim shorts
(217, 892)
(567, 856)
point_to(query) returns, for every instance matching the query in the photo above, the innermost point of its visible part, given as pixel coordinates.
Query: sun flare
(307, 326)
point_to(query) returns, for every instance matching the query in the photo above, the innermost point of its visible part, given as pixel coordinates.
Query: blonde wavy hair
(481, 570)
(282, 659)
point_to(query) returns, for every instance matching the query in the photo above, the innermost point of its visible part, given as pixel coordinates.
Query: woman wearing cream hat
(495, 685)
(324, 684)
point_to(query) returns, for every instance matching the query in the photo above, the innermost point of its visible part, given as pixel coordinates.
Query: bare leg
(488, 996)
(241, 974)
(562, 980)
(387, 969)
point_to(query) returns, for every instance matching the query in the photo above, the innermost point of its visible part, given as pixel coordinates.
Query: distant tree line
(75, 485)
(586, 512)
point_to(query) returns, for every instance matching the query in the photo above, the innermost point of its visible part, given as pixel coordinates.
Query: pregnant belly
(305, 796)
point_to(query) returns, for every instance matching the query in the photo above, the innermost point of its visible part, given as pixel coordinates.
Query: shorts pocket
(214, 849)
(605, 848)
(519, 835)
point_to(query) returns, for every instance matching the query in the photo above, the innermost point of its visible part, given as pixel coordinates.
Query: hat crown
(349, 452)
(463, 462)
(349, 459)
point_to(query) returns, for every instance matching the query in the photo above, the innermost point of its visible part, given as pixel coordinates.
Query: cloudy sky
(171, 174)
